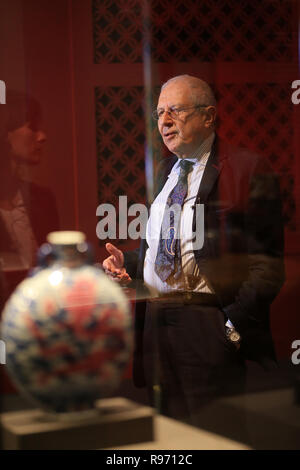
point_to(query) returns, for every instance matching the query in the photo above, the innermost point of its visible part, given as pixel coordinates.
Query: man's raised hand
(114, 265)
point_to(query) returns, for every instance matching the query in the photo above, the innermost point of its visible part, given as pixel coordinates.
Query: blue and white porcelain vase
(67, 329)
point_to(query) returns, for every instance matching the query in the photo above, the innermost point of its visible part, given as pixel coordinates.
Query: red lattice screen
(250, 115)
(223, 30)
(257, 115)
(120, 143)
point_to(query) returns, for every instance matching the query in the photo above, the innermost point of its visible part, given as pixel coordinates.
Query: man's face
(182, 135)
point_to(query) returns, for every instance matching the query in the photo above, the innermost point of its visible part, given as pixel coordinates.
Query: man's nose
(166, 118)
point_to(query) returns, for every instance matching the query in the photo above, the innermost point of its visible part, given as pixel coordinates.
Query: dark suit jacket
(242, 254)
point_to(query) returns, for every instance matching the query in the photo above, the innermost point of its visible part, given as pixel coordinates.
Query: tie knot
(186, 166)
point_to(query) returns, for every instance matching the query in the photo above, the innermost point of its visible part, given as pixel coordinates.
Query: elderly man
(208, 309)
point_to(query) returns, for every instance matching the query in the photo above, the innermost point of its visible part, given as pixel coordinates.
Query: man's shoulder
(241, 158)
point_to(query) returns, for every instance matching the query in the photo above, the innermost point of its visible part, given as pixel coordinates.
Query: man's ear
(210, 116)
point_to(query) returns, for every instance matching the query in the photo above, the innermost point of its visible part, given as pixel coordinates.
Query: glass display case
(86, 134)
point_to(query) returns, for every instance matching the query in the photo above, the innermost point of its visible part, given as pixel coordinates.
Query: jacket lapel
(163, 172)
(211, 173)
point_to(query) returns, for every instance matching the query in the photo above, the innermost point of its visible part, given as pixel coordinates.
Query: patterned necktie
(168, 253)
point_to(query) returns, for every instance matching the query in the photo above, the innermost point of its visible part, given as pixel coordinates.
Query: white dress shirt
(190, 278)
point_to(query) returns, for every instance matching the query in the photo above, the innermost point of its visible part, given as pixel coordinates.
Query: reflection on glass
(22, 220)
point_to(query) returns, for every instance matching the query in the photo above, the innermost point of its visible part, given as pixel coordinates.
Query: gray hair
(201, 91)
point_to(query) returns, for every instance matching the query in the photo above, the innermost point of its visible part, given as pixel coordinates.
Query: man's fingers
(116, 255)
(120, 276)
(113, 265)
(109, 264)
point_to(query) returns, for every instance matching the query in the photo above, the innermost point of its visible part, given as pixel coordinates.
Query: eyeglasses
(174, 112)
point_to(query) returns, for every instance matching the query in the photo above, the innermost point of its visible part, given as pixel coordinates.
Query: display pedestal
(119, 422)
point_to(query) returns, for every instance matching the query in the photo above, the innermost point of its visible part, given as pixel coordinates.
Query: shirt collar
(201, 156)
